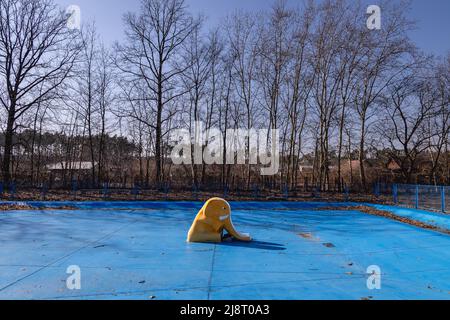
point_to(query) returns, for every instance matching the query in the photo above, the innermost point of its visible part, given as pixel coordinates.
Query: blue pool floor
(141, 253)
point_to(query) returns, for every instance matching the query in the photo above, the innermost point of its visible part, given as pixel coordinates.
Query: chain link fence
(435, 198)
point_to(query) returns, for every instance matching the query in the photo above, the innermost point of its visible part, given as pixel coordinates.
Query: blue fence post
(74, 188)
(255, 191)
(194, 191)
(316, 193)
(347, 193)
(395, 192)
(225, 192)
(44, 191)
(286, 192)
(443, 204)
(105, 190)
(12, 188)
(167, 190)
(417, 197)
(377, 190)
(135, 191)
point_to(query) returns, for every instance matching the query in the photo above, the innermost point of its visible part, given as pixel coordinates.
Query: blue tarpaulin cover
(138, 250)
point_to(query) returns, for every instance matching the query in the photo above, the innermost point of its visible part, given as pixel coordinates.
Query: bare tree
(348, 60)
(298, 88)
(154, 38)
(37, 53)
(327, 40)
(384, 59)
(409, 106)
(439, 85)
(243, 38)
(196, 63)
(106, 99)
(85, 91)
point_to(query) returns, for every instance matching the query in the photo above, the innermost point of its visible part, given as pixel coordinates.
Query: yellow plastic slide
(211, 221)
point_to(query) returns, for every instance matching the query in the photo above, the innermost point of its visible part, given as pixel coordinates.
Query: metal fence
(435, 198)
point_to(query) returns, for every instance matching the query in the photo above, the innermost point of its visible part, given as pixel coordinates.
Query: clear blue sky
(432, 16)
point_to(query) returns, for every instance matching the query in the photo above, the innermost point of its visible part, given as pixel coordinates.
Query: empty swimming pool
(135, 250)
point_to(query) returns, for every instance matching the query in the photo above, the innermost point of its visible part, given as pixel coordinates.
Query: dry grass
(10, 207)
(20, 207)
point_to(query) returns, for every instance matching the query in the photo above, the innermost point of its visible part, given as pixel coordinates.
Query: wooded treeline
(349, 102)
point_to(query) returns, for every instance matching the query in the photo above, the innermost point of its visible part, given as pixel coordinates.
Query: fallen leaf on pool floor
(308, 236)
(367, 298)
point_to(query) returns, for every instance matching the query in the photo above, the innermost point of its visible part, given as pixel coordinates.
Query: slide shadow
(255, 245)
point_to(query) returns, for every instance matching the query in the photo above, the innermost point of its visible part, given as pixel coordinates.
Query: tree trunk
(362, 157)
(158, 152)
(341, 142)
(9, 134)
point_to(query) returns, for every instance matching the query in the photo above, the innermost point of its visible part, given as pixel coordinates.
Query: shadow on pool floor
(255, 245)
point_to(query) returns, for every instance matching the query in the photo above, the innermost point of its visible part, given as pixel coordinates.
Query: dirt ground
(150, 195)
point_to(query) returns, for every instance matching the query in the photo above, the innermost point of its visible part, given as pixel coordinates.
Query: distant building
(75, 166)
(62, 172)
(306, 169)
(393, 166)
